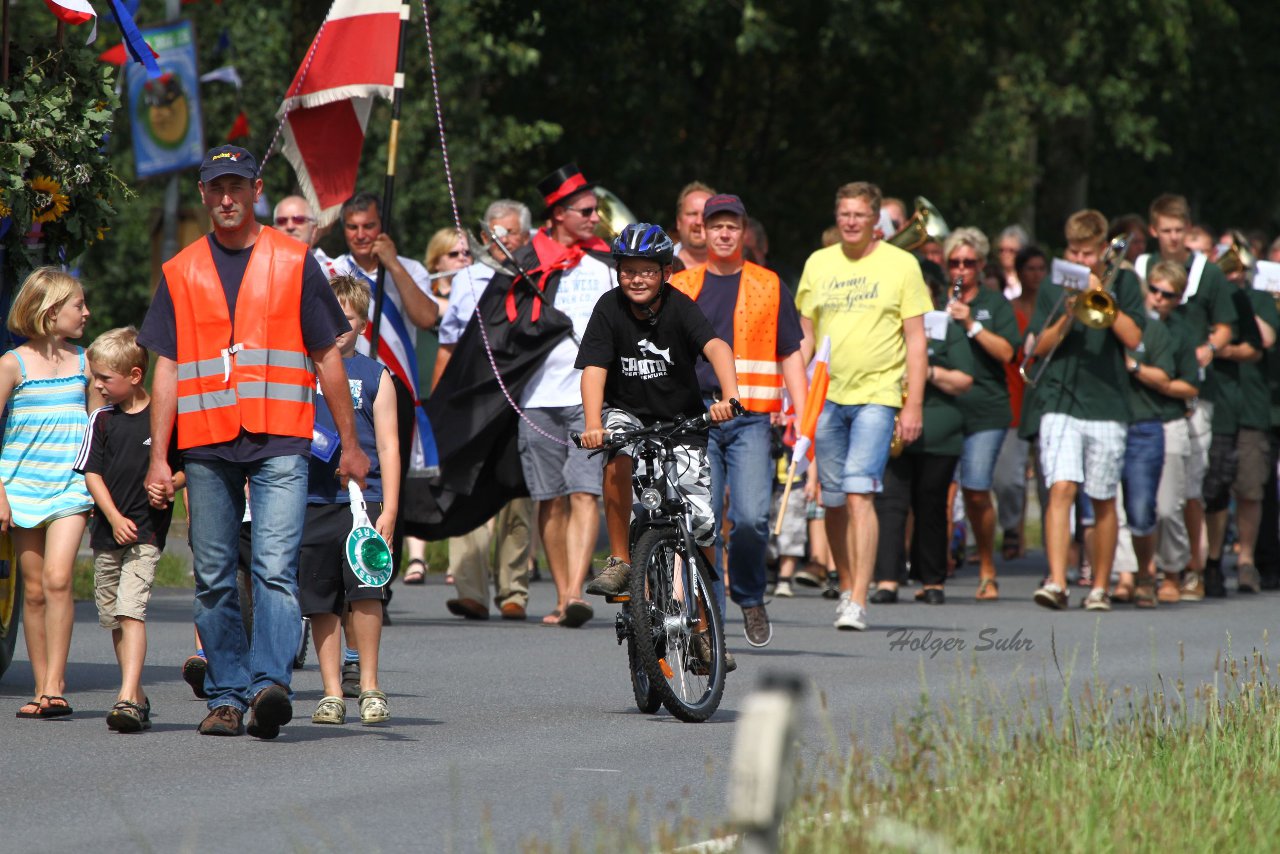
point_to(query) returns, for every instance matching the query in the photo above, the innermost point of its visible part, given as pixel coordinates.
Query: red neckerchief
(552, 256)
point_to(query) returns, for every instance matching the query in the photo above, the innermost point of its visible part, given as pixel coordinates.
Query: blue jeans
(238, 670)
(738, 452)
(852, 449)
(1140, 477)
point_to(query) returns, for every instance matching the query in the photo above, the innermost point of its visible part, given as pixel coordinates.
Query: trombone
(1095, 308)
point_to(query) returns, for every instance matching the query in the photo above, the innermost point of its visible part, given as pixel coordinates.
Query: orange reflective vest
(254, 374)
(755, 333)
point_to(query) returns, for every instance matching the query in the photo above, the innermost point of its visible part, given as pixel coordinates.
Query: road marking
(601, 770)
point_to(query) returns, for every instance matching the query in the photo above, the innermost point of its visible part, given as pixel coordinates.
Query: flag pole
(389, 187)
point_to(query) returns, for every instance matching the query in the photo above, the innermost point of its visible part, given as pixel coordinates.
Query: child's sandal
(373, 708)
(331, 710)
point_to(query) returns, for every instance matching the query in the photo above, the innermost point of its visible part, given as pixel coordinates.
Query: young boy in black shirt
(128, 531)
(637, 358)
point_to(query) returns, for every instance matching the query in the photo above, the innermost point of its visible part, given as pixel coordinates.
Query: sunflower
(50, 203)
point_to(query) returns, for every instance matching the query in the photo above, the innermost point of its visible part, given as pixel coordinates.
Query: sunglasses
(584, 212)
(1169, 295)
(296, 219)
(966, 263)
(459, 253)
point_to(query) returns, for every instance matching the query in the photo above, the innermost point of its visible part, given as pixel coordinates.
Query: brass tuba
(1239, 258)
(925, 223)
(614, 214)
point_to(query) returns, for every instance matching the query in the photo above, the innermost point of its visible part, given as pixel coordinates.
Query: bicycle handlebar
(614, 439)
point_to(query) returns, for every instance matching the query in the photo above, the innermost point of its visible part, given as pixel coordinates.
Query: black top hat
(561, 184)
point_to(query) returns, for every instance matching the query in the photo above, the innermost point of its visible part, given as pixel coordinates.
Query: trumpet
(1095, 308)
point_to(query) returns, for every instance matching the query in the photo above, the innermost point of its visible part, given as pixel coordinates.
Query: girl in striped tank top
(44, 504)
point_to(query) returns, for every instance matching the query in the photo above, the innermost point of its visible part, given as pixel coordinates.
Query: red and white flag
(352, 60)
(71, 11)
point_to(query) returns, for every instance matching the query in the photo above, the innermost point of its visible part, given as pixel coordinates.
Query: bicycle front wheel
(678, 631)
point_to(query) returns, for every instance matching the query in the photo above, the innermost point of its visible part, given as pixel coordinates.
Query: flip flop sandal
(373, 708)
(576, 613)
(553, 619)
(23, 713)
(987, 584)
(1123, 593)
(55, 711)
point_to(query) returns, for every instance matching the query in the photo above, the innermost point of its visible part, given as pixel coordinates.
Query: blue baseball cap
(228, 160)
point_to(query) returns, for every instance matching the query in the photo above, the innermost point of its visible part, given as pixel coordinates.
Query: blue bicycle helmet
(643, 240)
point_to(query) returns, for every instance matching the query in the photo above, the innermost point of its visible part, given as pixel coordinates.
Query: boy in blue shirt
(327, 587)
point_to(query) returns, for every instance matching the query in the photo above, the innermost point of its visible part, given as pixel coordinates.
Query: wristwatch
(1137, 366)
(975, 329)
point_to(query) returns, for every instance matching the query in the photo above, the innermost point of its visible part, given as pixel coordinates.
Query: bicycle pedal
(666, 669)
(618, 600)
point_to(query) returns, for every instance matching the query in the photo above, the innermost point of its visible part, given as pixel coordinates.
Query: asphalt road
(505, 732)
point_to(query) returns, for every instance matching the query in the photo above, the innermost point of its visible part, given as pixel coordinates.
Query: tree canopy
(1016, 112)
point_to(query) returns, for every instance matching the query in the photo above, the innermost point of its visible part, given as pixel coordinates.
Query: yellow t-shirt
(861, 305)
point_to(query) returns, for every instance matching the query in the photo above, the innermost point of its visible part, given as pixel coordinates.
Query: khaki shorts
(122, 580)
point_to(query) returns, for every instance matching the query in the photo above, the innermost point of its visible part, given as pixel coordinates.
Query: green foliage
(55, 113)
(1024, 111)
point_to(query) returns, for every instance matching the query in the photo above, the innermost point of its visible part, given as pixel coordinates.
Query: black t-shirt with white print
(652, 366)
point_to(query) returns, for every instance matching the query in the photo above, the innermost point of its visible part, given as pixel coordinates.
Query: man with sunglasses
(293, 216)
(573, 268)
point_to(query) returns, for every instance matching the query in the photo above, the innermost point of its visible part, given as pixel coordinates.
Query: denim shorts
(1140, 476)
(978, 463)
(852, 449)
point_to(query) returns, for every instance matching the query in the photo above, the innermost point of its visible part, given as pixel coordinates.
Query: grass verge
(1050, 767)
(1058, 769)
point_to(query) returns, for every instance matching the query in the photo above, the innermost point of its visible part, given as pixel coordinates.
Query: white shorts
(1200, 435)
(1085, 452)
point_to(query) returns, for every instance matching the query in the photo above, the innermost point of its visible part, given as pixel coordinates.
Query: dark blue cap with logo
(228, 160)
(723, 203)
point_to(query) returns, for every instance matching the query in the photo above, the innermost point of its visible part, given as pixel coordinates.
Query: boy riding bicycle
(637, 359)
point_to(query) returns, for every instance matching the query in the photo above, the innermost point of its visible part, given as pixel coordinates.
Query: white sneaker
(783, 590)
(850, 616)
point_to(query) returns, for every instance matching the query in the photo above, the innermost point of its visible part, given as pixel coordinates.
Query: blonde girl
(44, 504)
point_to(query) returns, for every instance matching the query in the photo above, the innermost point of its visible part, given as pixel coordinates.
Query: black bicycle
(670, 621)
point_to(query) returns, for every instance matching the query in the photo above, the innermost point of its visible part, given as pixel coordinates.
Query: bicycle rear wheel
(678, 633)
(642, 687)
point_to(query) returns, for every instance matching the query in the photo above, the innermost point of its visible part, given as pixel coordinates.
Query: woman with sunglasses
(445, 252)
(917, 481)
(992, 331)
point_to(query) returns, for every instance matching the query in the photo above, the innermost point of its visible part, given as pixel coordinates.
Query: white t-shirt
(557, 382)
